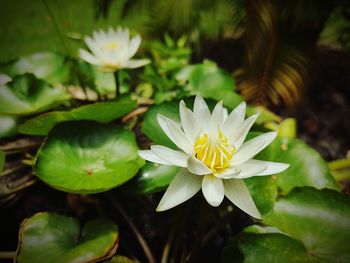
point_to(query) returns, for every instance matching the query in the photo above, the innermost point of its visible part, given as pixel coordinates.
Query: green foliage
(51, 67)
(8, 125)
(26, 95)
(49, 237)
(87, 157)
(320, 219)
(151, 179)
(101, 111)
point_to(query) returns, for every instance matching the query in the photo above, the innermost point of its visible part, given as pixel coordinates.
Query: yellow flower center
(111, 45)
(214, 151)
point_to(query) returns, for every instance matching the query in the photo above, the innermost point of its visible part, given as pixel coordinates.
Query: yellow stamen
(111, 45)
(214, 151)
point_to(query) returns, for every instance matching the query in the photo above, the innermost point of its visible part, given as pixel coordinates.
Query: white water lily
(112, 50)
(213, 155)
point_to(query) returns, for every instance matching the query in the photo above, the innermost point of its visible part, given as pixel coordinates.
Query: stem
(7, 254)
(139, 237)
(116, 76)
(193, 256)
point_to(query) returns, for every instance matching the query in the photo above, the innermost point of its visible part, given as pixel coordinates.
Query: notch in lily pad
(87, 157)
(49, 237)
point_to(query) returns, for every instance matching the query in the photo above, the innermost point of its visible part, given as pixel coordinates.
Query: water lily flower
(112, 50)
(213, 154)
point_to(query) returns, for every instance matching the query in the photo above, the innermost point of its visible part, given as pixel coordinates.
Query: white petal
(174, 157)
(201, 111)
(213, 189)
(249, 169)
(88, 57)
(252, 147)
(135, 63)
(236, 117)
(189, 123)
(238, 136)
(227, 173)
(225, 114)
(195, 166)
(237, 192)
(218, 113)
(134, 45)
(152, 157)
(173, 131)
(271, 167)
(181, 188)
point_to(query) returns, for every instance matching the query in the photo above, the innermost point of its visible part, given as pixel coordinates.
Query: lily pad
(27, 95)
(49, 237)
(101, 111)
(151, 127)
(8, 125)
(152, 178)
(87, 157)
(307, 168)
(51, 67)
(267, 245)
(319, 218)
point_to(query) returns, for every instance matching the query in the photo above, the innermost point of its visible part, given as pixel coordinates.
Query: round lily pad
(101, 111)
(87, 157)
(26, 94)
(152, 178)
(49, 237)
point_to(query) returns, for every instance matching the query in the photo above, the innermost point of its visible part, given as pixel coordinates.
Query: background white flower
(213, 154)
(112, 50)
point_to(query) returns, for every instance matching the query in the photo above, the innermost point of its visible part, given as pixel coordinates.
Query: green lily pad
(8, 125)
(267, 245)
(307, 168)
(51, 67)
(101, 111)
(319, 218)
(152, 129)
(27, 95)
(48, 237)
(264, 191)
(152, 178)
(87, 157)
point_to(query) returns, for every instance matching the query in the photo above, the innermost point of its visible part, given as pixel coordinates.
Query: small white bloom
(112, 50)
(213, 154)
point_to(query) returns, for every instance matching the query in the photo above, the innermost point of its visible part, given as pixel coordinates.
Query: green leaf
(264, 191)
(27, 95)
(8, 125)
(153, 178)
(319, 218)
(307, 168)
(48, 237)
(2, 160)
(268, 245)
(87, 157)
(48, 66)
(101, 111)
(152, 129)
